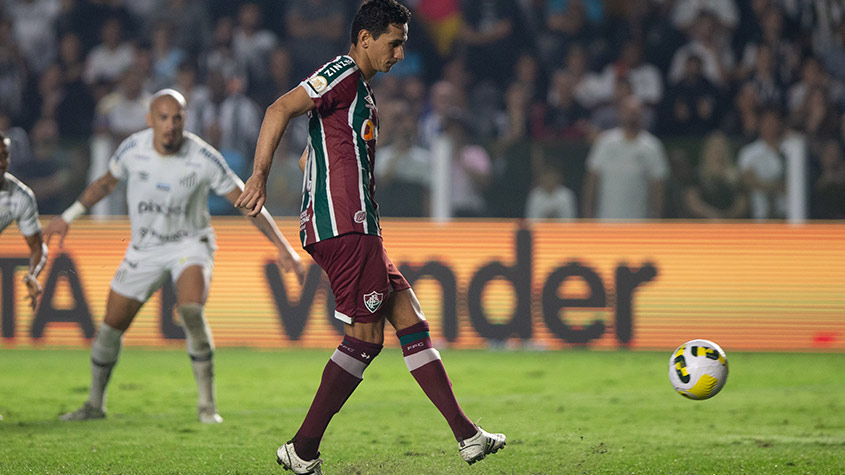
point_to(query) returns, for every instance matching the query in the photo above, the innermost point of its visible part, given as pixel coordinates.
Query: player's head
(380, 30)
(5, 151)
(167, 118)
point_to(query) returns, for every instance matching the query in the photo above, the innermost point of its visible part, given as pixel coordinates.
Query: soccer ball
(698, 369)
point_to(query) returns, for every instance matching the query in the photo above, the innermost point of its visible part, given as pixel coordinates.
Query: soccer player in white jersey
(169, 173)
(17, 203)
(339, 227)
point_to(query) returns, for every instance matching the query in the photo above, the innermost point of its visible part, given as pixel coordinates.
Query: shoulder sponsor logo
(373, 301)
(360, 216)
(368, 130)
(319, 83)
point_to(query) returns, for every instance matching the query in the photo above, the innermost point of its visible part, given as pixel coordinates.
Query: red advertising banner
(644, 286)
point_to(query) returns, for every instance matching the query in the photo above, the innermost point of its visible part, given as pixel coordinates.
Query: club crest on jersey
(368, 130)
(319, 83)
(360, 216)
(373, 301)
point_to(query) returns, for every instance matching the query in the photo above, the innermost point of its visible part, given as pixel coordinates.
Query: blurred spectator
(711, 46)
(279, 78)
(551, 199)
(588, 88)
(20, 141)
(812, 76)
(442, 20)
(761, 165)
(560, 115)
(716, 194)
(404, 172)
(767, 87)
(816, 118)
(108, 60)
(471, 169)
(626, 170)
(71, 59)
(123, 112)
(692, 105)
(252, 43)
(221, 58)
(166, 57)
(315, 30)
(48, 172)
(13, 75)
(743, 118)
(685, 12)
(783, 57)
(489, 35)
(231, 122)
(573, 22)
(432, 123)
(190, 24)
(197, 96)
(34, 30)
(646, 80)
(828, 194)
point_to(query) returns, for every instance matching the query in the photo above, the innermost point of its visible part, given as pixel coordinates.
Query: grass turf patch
(563, 412)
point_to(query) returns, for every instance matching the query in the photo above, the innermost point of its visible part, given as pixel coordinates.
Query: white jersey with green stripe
(339, 184)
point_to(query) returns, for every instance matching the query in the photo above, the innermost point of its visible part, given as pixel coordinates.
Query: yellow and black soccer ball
(698, 369)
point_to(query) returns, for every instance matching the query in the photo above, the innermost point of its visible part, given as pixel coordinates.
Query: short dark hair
(376, 16)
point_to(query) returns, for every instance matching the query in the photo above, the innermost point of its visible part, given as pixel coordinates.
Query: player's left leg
(192, 291)
(403, 311)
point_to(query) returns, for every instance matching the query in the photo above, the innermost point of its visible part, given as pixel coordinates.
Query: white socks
(201, 351)
(104, 353)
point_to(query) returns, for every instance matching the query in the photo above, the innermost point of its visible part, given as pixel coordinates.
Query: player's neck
(363, 65)
(162, 150)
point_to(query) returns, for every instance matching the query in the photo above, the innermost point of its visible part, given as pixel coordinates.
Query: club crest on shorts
(373, 301)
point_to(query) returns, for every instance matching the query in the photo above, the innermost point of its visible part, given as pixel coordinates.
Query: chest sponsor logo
(319, 83)
(373, 301)
(360, 216)
(189, 181)
(368, 130)
(143, 176)
(163, 186)
(145, 207)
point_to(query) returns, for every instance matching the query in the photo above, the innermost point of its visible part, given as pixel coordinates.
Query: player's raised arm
(96, 191)
(288, 258)
(276, 118)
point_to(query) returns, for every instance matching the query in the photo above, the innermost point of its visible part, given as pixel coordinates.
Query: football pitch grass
(563, 412)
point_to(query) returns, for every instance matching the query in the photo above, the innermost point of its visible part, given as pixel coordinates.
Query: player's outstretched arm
(97, 190)
(276, 119)
(288, 258)
(37, 259)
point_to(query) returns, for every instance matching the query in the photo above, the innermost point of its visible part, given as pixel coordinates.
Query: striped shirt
(17, 203)
(338, 190)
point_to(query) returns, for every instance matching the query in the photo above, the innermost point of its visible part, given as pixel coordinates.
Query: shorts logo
(319, 83)
(373, 301)
(360, 216)
(368, 130)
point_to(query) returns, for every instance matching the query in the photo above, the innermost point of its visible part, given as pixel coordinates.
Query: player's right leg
(105, 350)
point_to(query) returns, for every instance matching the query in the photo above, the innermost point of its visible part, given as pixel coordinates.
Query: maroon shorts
(360, 273)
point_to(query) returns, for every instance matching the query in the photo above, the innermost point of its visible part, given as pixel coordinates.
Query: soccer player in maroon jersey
(339, 227)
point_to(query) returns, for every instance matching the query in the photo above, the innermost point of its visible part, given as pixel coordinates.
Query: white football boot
(209, 415)
(287, 458)
(84, 413)
(478, 446)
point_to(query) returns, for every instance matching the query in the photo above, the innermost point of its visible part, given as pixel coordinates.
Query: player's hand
(292, 262)
(56, 226)
(253, 196)
(34, 288)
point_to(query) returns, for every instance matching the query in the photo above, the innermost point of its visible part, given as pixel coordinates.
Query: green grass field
(563, 412)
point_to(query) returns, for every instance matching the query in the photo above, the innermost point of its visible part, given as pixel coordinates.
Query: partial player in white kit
(17, 203)
(169, 174)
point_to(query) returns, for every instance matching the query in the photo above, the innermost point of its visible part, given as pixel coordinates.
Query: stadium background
(750, 285)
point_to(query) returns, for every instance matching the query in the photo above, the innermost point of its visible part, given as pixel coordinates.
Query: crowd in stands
(563, 109)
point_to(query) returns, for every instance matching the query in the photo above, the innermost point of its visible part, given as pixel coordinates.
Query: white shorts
(143, 271)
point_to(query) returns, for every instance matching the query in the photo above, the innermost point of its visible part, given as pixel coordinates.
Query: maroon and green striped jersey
(338, 186)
